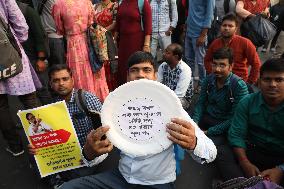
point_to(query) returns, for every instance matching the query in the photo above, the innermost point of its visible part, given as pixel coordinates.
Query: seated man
(62, 83)
(244, 52)
(257, 130)
(220, 93)
(142, 172)
(176, 74)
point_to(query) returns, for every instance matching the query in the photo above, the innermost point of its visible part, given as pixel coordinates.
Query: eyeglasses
(269, 80)
(222, 66)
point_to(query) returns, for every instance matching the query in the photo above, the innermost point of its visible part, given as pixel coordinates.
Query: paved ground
(15, 172)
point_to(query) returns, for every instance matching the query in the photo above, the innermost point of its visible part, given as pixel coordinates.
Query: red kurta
(131, 36)
(257, 8)
(244, 53)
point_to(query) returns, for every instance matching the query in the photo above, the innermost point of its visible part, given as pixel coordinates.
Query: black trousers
(225, 160)
(263, 160)
(43, 93)
(7, 126)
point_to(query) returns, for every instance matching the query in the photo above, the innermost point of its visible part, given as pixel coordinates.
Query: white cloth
(160, 168)
(184, 77)
(42, 128)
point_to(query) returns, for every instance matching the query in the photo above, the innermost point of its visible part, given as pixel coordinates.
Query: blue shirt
(82, 123)
(200, 16)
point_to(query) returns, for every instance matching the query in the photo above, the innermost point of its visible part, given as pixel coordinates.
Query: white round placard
(137, 113)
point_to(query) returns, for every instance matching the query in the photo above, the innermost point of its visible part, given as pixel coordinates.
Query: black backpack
(233, 84)
(81, 102)
(11, 57)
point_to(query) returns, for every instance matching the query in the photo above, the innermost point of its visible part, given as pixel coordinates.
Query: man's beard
(227, 36)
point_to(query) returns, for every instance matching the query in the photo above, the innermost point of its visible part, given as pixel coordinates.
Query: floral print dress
(72, 18)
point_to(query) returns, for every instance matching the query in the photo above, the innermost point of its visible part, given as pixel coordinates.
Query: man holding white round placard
(143, 124)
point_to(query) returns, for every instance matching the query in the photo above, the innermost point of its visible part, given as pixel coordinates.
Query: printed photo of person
(36, 125)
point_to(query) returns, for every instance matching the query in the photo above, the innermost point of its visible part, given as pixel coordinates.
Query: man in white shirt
(153, 171)
(176, 74)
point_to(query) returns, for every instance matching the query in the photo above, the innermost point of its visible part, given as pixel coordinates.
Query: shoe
(15, 152)
(263, 50)
(273, 50)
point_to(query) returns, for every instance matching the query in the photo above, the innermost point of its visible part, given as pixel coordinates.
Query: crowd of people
(239, 112)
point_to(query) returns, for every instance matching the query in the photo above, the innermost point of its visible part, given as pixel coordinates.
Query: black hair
(272, 65)
(177, 50)
(27, 115)
(140, 57)
(224, 53)
(58, 67)
(282, 56)
(231, 17)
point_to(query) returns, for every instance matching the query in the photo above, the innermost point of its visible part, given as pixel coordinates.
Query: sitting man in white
(176, 74)
(144, 172)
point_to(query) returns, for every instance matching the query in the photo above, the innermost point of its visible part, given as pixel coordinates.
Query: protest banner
(50, 130)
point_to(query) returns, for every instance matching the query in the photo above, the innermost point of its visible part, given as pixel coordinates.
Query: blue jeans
(109, 180)
(195, 55)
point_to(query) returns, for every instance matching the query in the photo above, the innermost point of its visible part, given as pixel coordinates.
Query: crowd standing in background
(240, 102)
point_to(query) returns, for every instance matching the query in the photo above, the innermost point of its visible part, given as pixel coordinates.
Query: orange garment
(244, 53)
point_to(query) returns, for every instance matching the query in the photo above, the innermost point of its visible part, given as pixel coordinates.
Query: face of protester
(221, 68)
(62, 82)
(228, 28)
(272, 85)
(168, 55)
(144, 70)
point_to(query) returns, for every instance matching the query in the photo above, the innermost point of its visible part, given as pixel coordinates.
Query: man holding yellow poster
(55, 139)
(62, 83)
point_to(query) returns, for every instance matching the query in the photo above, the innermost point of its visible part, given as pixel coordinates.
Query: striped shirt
(161, 21)
(217, 103)
(82, 123)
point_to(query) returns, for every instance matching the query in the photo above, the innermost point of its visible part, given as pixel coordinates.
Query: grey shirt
(47, 20)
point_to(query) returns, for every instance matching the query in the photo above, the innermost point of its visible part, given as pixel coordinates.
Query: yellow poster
(50, 130)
